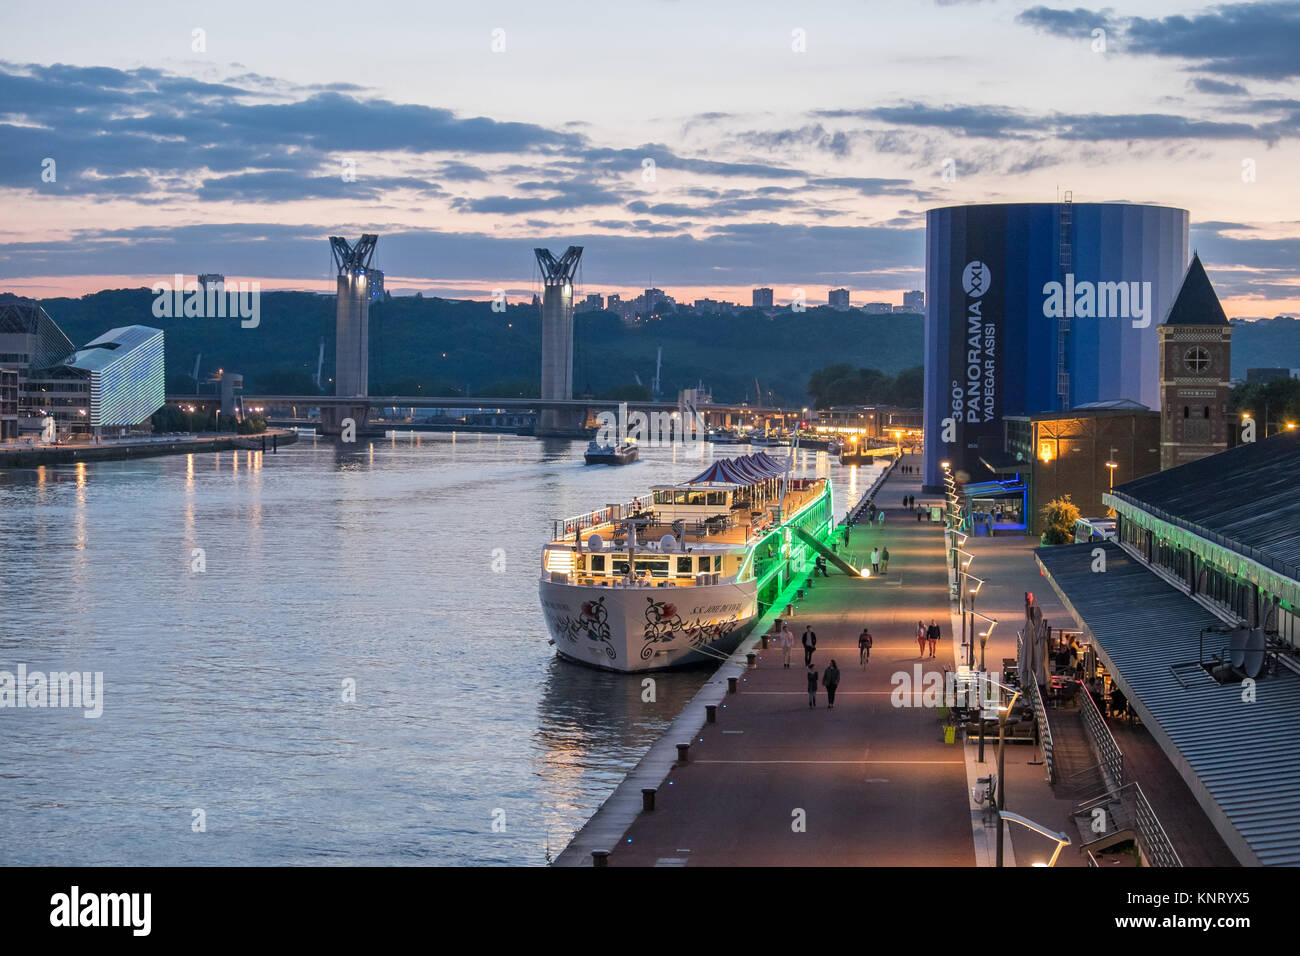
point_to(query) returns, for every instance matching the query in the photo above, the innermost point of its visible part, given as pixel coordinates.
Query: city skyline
(791, 149)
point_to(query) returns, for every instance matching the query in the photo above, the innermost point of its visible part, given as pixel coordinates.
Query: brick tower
(1195, 349)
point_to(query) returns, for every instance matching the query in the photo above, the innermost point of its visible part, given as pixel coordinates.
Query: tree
(1279, 399)
(626, 393)
(1059, 516)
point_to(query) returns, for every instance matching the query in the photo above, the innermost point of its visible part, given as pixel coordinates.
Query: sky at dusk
(701, 148)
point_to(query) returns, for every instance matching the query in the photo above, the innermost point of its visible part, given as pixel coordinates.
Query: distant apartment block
(839, 300)
(713, 307)
(878, 308)
(594, 302)
(914, 301)
(762, 298)
(1266, 375)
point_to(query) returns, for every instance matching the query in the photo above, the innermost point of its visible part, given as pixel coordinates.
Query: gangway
(827, 553)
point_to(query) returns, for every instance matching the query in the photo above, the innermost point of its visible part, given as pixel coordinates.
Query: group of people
(829, 678)
(909, 501)
(879, 561)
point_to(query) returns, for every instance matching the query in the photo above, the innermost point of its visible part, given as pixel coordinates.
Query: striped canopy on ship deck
(742, 470)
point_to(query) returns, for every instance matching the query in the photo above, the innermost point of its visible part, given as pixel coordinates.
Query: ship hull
(632, 630)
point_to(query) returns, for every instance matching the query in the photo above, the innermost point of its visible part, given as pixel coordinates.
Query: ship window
(717, 498)
(1185, 411)
(663, 497)
(717, 562)
(598, 563)
(681, 497)
(657, 568)
(695, 498)
(1207, 411)
(684, 566)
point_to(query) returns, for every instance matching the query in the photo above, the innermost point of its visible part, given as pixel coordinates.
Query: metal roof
(110, 347)
(1240, 758)
(1246, 499)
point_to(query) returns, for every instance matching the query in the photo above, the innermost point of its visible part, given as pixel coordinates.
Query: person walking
(932, 635)
(882, 517)
(812, 686)
(809, 641)
(884, 561)
(864, 647)
(831, 680)
(787, 642)
(921, 636)
(875, 560)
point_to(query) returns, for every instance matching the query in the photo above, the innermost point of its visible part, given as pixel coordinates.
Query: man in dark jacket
(932, 635)
(812, 686)
(809, 644)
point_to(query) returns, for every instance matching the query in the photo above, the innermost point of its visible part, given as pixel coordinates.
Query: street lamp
(1062, 841)
(968, 642)
(992, 622)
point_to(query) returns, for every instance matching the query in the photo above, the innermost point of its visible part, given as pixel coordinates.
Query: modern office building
(839, 300)
(8, 402)
(763, 298)
(124, 375)
(116, 380)
(1040, 307)
(1194, 612)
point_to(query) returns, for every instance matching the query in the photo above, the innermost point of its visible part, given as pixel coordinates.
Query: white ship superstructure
(683, 575)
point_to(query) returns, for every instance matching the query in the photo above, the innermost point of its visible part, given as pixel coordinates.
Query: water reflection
(324, 563)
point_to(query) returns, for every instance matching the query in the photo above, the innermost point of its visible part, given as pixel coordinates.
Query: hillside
(439, 345)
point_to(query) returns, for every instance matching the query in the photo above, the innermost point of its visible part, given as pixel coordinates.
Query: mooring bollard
(647, 798)
(711, 713)
(752, 659)
(683, 752)
(731, 684)
(798, 595)
(600, 858)
(764, 641)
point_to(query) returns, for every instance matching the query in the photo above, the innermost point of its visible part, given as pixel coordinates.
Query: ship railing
(566, 527)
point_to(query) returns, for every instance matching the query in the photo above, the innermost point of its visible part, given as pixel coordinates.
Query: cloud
(997, 122)
(731, 253)
(1204, 84)
(1238, 39)
(572, 194)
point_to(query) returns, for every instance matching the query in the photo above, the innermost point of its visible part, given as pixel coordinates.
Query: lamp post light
(969, 643)
(992, 622)
(1062, 841)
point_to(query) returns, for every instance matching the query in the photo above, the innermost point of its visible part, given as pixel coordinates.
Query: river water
(332, 654)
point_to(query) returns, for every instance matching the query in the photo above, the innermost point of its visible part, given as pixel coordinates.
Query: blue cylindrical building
(1034, 307)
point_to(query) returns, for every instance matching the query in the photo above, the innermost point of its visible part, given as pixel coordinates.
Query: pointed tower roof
(1196, 303)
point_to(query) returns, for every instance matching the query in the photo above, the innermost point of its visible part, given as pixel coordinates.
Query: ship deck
(727, 529)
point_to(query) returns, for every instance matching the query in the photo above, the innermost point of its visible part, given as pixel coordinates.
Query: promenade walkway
(775, 782)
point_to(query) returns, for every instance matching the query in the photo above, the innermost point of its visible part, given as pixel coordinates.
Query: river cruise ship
(682, 576)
